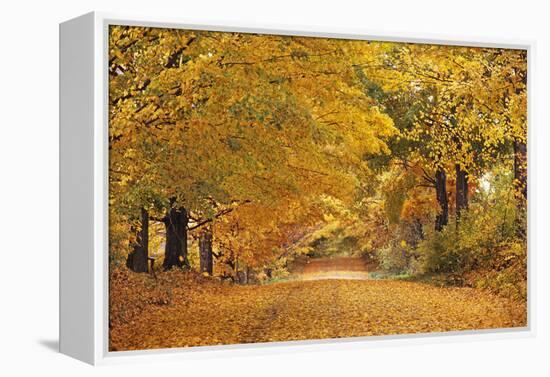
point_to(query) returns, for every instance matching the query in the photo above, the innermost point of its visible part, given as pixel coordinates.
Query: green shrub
(509, 275)
(394, 258)
(438, 254)
(391, 259)
(485, 245)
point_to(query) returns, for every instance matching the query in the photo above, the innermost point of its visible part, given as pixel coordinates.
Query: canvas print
(268, 188)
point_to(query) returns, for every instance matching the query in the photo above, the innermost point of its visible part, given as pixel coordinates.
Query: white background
(29, 183)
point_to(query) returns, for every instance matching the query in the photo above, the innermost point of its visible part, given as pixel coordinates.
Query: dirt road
(353, 268)
(312, 309)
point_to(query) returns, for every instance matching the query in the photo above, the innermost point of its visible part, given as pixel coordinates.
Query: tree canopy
(256, 146)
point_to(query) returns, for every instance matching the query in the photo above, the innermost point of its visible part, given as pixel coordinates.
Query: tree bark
(138, 258)
(246, 274)
(419, 230)
(520, 171)
(442, 217)
(520, 186)
(175, 251)
(236, 269)
(205, 251)
(461, 190)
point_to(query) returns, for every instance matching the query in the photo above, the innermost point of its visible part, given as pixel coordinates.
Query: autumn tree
(240, 140)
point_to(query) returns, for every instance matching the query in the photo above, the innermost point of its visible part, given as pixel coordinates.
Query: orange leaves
(205, 312)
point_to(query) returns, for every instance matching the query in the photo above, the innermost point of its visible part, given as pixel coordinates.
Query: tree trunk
(520, 185)
(246, 273)
(461, 190)
(138, 258)
(236, 269)
(442, 217)
(419, 230)
(520, 171)
(205, 251)
(175, 251)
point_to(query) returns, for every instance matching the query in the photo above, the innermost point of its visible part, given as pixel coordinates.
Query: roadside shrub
(392, 259)
(397, 258)
(439, 253)
(484, 246)
(509, 276)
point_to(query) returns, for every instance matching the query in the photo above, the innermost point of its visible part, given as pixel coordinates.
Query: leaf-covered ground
(180, 310)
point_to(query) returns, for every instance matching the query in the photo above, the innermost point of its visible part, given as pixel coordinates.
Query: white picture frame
(84, 186)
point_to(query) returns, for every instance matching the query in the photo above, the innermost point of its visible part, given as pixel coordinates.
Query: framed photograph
(232, 188)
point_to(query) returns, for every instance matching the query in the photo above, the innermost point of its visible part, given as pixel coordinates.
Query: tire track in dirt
(259, 331)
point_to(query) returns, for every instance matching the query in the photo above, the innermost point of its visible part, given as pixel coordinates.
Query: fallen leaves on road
(183, 309)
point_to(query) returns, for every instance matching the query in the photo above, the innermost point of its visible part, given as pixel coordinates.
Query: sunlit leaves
(306, 131)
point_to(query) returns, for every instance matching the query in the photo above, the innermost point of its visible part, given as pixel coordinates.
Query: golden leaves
(205, 312)
(287, 124)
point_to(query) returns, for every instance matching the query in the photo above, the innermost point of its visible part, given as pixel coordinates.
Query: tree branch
(217, 215)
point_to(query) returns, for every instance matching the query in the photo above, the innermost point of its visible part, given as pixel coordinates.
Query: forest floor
(324, 300)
